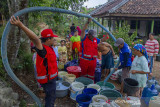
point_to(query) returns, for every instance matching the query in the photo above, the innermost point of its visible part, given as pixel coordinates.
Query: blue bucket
(90, 91)
(83, 100)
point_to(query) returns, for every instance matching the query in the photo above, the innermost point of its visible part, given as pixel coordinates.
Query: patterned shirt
(152, 47)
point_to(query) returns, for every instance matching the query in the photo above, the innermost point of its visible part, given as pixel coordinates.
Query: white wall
(141, 30)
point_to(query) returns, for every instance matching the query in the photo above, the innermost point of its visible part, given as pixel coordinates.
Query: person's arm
(139, 72)
(71, 46)
(32, 36)
(108, 45)
(156, 49)
(125, 60)
(84, 28)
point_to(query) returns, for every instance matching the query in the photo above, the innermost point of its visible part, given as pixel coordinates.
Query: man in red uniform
(89, 51)
(46, 63)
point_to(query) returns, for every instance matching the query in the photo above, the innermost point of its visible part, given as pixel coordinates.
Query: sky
(93, 3)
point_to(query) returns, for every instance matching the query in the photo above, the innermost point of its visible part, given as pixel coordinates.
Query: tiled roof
(138, 7)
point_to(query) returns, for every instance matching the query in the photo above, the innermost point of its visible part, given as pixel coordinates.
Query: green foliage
(2, 71)
(23, 103)
(4, 8)
(122, 32)
(24, 61)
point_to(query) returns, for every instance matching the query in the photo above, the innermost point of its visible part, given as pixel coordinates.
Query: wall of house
(142, 30)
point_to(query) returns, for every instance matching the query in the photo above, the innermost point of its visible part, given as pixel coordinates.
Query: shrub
(122, 32)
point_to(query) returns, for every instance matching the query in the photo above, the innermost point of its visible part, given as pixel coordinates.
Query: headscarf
(79, 30)
(142, 49)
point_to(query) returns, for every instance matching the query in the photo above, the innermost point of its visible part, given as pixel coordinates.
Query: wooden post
(98, 28)
(120, 24)
(136, 27)
(109, 23)
(102, 23)
(152, 26)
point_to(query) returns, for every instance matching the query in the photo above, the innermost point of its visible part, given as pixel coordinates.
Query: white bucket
(76, 89)
(99, 99)
(94, 86)
(61, 75)
(69, 78)
(154, 102)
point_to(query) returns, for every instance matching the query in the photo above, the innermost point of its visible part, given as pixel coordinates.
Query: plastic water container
(99, 100)
(95, 86)
(85, 81)
(152, 81)
(130, 86)
(97, 75)
(111, 94)
(76, 70)
(134, 101)
(150, 92)
(154, 102)
(107, 85)
(61, 75)
(90, 91)
(69, 78)
(76, 89)
(83, 100)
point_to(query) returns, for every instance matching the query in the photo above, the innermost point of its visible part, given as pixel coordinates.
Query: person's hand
(150, 74)
(133, 71)
(116, 69)
(15, 21)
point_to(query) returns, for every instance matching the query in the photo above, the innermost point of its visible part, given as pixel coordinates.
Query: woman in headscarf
(79, 30)
(139, 67)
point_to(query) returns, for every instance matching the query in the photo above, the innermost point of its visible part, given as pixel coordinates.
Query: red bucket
(76, 70)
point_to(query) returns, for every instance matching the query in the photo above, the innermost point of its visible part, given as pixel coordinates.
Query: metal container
(62, 88)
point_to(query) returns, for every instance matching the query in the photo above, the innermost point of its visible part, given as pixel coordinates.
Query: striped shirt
(152, 47)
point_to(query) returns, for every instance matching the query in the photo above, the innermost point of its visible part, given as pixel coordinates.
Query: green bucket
(85, 81)
(107, 85)
(111, 94)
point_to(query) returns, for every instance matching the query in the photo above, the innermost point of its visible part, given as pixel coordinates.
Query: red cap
(47, 33)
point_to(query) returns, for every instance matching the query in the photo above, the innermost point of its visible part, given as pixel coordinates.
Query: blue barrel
(83, 100)
(90, 91)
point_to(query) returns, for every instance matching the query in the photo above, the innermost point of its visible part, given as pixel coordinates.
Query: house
(143, 16)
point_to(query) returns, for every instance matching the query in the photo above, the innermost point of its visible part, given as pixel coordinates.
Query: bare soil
(29, 81)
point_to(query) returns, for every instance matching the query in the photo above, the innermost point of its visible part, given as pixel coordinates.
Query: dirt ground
(29, 81)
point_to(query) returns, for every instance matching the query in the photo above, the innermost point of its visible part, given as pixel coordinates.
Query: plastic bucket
(94, 86)
(107, 85)
(90, 91)
(61, 75)
(62, 88)
(83, 100)
(130, 86)
(99, 99)
(111, 94)
(76, 70)
(69, 78)
(76, 89)
(85, 81)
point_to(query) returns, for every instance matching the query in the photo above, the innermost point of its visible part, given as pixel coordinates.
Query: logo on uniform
(95, 41)
(48, 34)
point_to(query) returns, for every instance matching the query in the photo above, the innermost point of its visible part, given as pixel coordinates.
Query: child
(55, 48)
(62, 51)
(107, 57)
(139, 67)
(68, 49)
(75, 44)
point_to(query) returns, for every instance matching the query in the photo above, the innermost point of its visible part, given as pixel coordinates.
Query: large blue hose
(7, 30)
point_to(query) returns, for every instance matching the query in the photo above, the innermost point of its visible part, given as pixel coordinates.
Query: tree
(16, 35)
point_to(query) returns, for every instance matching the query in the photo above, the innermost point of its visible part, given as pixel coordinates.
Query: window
(133, 24)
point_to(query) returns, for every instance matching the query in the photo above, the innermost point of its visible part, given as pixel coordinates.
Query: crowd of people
(85, 46)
